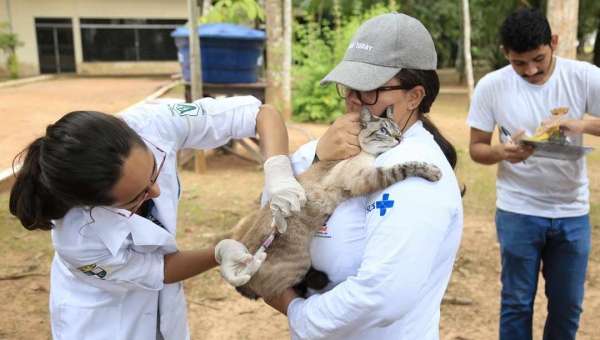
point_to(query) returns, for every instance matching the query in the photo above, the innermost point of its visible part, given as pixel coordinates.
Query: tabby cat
(327, 184)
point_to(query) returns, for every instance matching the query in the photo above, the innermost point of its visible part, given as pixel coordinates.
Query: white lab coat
(388, 255)
(108, 271)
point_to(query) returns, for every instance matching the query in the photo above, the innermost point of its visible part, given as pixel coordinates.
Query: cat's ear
(389, 112)
(366, 116)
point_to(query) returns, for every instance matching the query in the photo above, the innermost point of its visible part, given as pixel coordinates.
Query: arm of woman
(402, 246)
(273, 132)
(183, 265)
(338, 142)
(286, 195)
(232, 255)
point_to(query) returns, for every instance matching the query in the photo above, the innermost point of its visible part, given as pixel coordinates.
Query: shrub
(316, 51)
(8, 44)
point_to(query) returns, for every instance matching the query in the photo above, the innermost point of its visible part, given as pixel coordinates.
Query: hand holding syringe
(261, 250)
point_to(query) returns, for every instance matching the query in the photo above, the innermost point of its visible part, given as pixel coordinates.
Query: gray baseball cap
(380, 48)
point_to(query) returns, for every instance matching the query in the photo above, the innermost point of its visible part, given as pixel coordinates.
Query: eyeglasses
(147, 190)
(365, 97)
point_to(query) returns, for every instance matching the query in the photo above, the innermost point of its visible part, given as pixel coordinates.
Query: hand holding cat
(340, 141)
(233, 257)
(286, 195)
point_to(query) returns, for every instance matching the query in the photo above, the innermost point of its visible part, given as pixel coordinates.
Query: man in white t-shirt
(542, 212)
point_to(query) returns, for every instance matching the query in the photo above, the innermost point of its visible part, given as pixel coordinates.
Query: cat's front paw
(433, 173)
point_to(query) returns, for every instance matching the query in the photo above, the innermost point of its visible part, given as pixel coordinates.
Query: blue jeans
(562, 245)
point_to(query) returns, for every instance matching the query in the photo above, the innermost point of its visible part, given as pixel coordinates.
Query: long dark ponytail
(76, 163)
(430, 81)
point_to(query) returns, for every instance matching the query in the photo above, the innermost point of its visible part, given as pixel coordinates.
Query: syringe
(260, 250)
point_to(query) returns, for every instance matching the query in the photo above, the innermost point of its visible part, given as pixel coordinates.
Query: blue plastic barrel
(230, 53)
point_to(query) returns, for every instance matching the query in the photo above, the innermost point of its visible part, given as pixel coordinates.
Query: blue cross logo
(384, 204)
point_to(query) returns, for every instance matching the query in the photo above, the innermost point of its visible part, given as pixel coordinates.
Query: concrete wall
(24, 12)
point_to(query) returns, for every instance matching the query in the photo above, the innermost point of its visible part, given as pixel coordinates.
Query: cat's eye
(383, 131)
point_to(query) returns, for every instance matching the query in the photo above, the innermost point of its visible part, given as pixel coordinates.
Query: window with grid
(128, 39)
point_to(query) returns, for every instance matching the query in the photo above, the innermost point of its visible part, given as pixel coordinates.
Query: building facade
(95, 37)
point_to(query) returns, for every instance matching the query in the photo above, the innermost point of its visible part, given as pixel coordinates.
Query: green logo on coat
(186, 110)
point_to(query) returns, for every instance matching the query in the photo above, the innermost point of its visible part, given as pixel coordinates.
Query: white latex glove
(233, 257)
(286, 195)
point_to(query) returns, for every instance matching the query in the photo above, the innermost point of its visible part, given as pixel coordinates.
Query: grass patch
(176, 92)
(15, 238)
(451, 106)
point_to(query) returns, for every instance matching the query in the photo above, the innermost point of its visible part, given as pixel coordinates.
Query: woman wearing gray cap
(388, 256)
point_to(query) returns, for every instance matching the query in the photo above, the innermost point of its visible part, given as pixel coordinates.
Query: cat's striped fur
(327, 184)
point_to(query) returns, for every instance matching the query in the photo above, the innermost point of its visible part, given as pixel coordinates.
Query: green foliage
(316, 51)
(8, 44)
(443, 20)
(326, 7)
(234, 11)
(13, 66)
(589, 16)
(8, 41)
(486, 18)
(314, 56)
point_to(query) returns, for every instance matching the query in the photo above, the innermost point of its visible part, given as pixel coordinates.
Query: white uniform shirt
(108, 271)
(389, 256)
(541, 186)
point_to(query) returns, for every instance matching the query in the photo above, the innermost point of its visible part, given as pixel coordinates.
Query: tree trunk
(320, 14)
(563, 18)
(274, 30)
(597, 47)
(195, 61)
(460, 58)
(392, 4)
(287, 60)
(467, 46)
(337, 20)
(206, 6)
(195, 74)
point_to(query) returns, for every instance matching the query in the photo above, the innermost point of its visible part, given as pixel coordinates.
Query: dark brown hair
(76, 163)
(430, 81)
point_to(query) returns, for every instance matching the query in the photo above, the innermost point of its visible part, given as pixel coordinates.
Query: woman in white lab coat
(108, 190)
(388, 255)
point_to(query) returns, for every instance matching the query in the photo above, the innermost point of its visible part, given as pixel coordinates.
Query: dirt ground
(26, 110)
(214, 201)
